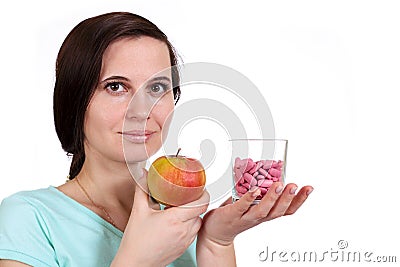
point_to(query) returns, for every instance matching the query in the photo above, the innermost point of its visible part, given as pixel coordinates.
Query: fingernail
(293, 190)
(254, 188)
(279, 189)
(256, 193)
(309, 191)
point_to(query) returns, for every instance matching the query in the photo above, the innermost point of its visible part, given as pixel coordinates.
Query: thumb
(141, 192)
(245, 202)
(228, 201)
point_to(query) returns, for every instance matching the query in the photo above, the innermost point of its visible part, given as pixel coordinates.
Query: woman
(101, 217)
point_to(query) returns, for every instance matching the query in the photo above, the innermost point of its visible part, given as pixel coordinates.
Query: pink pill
(237, 172)
(238, 163)
(269, 176)
(267, 164)
(255, 174)
(253, 182)
(275, 164)
(263, 172)
(246, 185)
(249, 164)
(241, 189)
(260, 177)
(241, 181)
(274, 172)
(248, 177)
(256, 167)
(265, 183)
(238, 178)
(275, 179)
(280, 163)
(242, 169)
(264, 190)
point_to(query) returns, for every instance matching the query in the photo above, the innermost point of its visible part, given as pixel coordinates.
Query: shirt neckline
(87, 211)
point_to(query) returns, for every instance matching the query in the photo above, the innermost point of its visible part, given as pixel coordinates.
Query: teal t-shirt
(46, 228)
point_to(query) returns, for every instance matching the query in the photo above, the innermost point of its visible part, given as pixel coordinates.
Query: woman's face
(126, 102)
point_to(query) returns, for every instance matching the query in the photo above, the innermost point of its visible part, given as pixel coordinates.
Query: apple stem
(179, 149)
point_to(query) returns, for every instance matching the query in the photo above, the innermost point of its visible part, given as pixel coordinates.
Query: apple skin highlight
(176, 180)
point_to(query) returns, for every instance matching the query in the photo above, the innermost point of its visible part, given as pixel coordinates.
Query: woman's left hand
(221, 225)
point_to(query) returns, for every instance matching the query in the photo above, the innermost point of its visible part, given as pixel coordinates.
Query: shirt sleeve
(23, 234)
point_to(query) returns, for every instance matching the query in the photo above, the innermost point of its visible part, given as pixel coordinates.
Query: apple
(175, 180)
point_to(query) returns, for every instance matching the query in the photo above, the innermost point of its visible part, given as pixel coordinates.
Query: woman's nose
(139, 107)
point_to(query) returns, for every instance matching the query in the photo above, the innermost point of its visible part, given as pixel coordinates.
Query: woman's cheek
(113, 114)
(163, 118)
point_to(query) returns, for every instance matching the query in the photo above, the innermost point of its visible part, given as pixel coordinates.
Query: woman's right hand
(157, 237)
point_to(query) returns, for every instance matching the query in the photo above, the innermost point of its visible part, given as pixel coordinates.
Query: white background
(329, 71)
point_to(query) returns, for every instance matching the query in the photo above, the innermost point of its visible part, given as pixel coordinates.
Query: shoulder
(27, 200)
(20, 209)
(24, 233)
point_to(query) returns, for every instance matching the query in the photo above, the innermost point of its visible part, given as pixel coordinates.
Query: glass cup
(257, 163)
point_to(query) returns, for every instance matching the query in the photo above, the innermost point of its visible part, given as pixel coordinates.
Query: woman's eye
(159, 88)
(115, 87)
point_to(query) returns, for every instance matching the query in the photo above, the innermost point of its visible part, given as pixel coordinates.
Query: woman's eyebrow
(160, 78)
(115, 77)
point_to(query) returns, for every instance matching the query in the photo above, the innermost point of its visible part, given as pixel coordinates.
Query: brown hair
(78, 69)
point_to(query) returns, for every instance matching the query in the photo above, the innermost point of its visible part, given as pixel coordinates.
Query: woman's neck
(110, 184)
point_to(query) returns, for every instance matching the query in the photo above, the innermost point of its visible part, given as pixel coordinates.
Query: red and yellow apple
(176, 180)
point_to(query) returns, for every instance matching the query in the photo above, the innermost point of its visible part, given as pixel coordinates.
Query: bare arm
(221, 225)
(11, 263)
(210, 253)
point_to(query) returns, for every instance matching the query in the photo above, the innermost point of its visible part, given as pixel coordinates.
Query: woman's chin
(138, 155)
(134, 153)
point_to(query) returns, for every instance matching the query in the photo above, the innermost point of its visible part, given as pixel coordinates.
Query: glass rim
(258, 139)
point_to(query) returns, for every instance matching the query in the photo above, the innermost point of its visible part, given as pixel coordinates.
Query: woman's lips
(137, 137)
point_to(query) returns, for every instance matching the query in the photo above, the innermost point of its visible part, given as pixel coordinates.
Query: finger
(153, 204)
(194, 229)
(204, 200)
(142, 182)
(263, 208)
(192, 209)
(299, 199)
(244, 203)
(195, 225)
(141, 198)
(228, 201)
(283, 202)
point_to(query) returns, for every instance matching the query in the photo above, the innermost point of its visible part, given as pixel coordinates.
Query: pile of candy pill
(261, 173)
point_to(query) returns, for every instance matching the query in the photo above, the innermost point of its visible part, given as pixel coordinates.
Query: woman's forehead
(136, 58)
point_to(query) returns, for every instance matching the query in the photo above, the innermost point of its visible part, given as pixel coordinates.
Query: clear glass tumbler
(257, 162)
